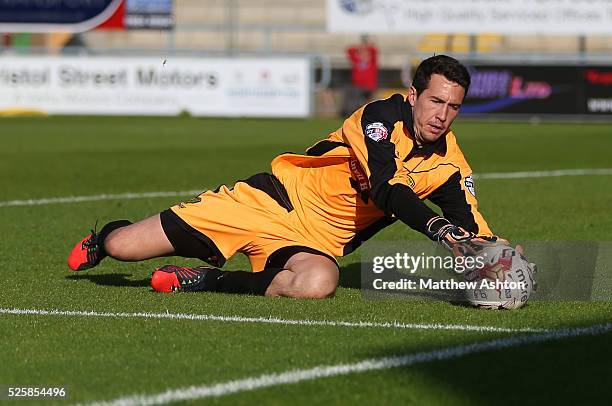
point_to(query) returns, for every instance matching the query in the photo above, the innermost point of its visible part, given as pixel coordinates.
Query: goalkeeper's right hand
(458, 240)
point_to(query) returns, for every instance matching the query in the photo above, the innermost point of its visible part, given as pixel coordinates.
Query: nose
(442, 113)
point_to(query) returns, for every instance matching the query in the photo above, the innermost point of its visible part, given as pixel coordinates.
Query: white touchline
(543, 174)
(324, 371)
(269, 320)
(145, 195)
(95, 198)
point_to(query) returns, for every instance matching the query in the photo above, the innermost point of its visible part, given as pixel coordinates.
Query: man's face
(435, 109)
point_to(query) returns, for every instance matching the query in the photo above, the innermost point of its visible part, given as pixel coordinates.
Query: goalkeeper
(376, 169)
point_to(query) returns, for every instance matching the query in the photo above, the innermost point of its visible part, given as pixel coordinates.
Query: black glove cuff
(437, 228)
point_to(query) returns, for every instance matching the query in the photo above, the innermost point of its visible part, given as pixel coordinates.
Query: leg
(307, 276)
(121, 240)
(304, 275)
(139, 241)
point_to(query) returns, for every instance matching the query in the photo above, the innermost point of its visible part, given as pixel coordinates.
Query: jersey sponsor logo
(359, 175)
(376, 131)
(469, 185)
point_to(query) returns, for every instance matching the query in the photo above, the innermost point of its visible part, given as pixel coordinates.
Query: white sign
(471, 16)
(151, 86)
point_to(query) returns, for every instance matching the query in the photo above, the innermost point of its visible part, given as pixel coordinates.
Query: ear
(412, 95)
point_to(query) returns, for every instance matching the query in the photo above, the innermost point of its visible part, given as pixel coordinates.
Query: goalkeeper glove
(457, 239)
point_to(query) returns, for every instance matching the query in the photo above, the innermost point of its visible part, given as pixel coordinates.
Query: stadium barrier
(540, 90)
(111, 85)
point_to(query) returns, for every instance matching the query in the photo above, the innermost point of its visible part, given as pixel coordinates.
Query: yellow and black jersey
(370, 172)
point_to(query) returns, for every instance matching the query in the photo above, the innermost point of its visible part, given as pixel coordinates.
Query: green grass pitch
(108, 358)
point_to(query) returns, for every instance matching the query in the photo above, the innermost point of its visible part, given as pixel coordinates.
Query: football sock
(106, 230)
(242, 282)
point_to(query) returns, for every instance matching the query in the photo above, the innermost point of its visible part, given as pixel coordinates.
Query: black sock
(248, 283)
(106, 230)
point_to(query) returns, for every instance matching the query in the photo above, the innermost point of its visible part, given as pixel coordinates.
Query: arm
(352, 54)
(456, 198)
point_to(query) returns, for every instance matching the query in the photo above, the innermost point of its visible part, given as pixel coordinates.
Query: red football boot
(86, 254)
(173, 278)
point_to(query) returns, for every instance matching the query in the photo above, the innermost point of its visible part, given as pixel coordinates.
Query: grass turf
(104, 358)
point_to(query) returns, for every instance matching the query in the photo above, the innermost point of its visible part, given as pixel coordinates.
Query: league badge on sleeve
(469, 185)
(376, 131)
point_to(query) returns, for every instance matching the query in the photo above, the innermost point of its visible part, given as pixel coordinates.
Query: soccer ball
(504, 281)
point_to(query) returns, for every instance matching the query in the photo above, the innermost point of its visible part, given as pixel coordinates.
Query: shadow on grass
(567, 371)
(350, 276)
(115, 279)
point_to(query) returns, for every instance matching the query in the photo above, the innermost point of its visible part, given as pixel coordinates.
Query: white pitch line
(95, 198)
(145, 195)
(543, 174)
(325, 371)
(270, 320)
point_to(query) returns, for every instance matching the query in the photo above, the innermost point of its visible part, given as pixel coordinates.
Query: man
(364, 75)
(377, 168)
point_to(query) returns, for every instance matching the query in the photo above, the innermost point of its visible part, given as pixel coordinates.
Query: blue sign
(56, 15)
(149, 6)
(153, 14)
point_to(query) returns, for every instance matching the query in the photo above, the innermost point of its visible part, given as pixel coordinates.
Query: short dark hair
(444, 65)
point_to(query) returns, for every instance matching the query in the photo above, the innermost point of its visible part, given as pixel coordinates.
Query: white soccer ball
(506, 279)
